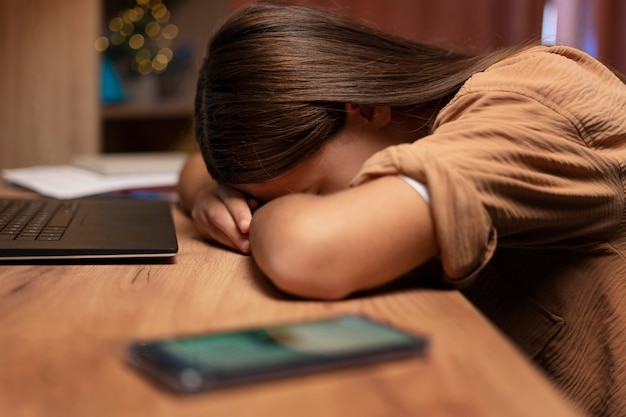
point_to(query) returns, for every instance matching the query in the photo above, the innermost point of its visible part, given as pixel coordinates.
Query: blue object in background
(111, 88)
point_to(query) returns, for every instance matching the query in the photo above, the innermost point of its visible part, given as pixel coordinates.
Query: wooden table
(64, 326)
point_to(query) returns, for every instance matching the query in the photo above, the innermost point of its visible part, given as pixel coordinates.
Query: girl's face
(329, 170)
(335, 165)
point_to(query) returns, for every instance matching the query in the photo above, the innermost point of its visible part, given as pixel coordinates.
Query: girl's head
(277, 78)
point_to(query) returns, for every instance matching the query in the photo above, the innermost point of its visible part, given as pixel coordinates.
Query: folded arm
(331, 246)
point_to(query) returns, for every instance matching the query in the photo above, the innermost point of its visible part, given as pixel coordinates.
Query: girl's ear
(377, 116)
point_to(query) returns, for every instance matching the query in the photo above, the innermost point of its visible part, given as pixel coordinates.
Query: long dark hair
(272, 88)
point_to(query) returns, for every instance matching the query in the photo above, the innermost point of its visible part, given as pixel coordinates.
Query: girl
(342, 158)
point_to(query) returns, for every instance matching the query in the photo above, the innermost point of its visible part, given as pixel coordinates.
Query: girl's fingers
(224, 217)
(239, 207)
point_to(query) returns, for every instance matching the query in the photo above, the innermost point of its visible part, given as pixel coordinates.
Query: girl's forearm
(331, 246)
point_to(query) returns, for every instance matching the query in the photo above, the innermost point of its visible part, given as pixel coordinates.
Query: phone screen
(216, 360)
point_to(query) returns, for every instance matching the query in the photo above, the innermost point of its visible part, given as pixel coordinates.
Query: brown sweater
(526, 170)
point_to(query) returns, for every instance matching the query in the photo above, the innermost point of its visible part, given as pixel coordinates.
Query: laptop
(40, 228)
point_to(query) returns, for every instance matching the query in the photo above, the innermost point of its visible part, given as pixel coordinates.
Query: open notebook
(39, 228)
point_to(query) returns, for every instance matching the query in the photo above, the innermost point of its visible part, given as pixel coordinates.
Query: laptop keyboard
(22, 219)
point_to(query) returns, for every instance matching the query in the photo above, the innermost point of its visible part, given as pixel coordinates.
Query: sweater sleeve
(509, 163)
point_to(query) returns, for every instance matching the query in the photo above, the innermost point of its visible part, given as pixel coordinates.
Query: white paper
(131, 163)
(66, 181)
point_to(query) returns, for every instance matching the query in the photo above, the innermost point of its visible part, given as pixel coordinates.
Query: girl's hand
(223, 214)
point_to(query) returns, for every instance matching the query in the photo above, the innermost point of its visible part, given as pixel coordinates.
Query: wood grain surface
(64, 327)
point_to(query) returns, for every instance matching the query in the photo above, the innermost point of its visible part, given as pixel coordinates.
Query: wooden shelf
(147, 111)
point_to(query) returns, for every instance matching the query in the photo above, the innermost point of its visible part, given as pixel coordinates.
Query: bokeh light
(143, 35)
(136, 41)
(101, 44)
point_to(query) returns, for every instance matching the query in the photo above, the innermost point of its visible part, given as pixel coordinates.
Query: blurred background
(105, 76)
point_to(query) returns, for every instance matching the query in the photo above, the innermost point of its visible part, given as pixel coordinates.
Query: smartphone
(206, 362)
